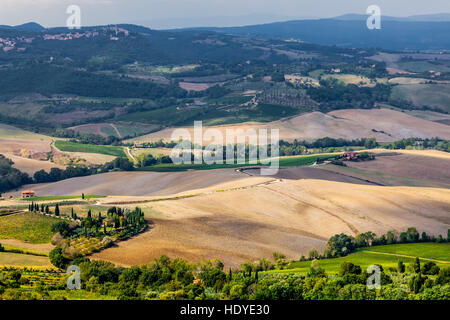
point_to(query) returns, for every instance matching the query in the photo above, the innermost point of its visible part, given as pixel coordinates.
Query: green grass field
(28, 227)
(349, 79)
(23, 260)
(433, 251)
(422, 66)
(387, 256)
(125, 131)
(431, 95)
(213, 115)
(50, 198)
(69, 146)
(283, 162)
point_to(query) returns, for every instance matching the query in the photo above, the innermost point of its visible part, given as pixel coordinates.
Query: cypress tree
(57, 210)
(401, 267)
(416, 265)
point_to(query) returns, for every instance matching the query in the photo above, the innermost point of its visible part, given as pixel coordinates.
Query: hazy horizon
(160, 14)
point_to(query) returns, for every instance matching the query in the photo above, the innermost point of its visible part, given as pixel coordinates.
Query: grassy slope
(89, 148)
(28, 227)
(10, 132)
(365, 257)
(424, 250)
(9, 247)
(23, 260)
(284, 162)
(433, 95)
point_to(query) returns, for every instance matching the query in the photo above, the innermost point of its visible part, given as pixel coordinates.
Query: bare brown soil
(420, 168)
(191, 86)
(297, 173)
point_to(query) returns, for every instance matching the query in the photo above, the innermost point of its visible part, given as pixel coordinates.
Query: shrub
(430, 268)
(357, 292)
(62, 227)
(107, 242)
(57, 239)
(444, 276)
(437, 293)
(57, 258)
(349, 268)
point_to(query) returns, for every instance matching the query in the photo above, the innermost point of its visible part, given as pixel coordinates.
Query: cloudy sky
(188, 13)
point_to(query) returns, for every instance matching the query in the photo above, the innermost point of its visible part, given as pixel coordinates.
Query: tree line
(12, 178)
(341, 245)
(416, 143)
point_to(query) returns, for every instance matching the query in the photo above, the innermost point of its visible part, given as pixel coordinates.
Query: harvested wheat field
(389, 125)
(41, 248)
(291, 216)
(24, 147)
(90, 158)
(10, 132)
(23, 143)
(30, 166)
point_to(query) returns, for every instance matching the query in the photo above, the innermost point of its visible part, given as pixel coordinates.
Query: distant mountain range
(439, 17)
(425, 32)
(419, 32)
(31, 26)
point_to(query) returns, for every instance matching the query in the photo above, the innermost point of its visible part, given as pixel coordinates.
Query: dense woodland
(333, 95)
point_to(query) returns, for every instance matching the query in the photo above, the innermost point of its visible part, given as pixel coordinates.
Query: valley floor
(238, 216)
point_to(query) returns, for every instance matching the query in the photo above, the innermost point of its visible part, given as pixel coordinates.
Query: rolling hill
(351, 31)
(31, 26)
(291, 216)
(383, 124)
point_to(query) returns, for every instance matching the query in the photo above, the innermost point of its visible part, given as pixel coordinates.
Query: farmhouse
(351, 155)
(28, 194)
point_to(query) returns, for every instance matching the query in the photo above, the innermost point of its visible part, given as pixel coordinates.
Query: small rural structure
(28, 194)
(351, 155)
